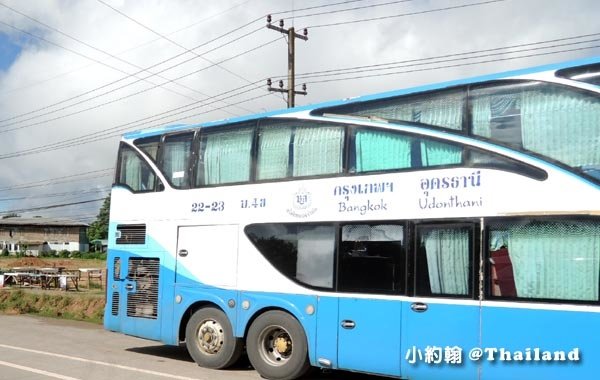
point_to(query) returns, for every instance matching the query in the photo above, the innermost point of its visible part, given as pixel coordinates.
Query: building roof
(52, 222)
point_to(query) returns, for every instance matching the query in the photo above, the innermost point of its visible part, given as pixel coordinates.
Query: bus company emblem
(303, 199)
(301, 204)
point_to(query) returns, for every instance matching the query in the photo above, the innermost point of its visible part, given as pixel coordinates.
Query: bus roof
(364, 98)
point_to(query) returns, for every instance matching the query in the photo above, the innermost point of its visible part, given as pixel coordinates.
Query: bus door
(441, 324)
(136, 292)
(207, 256)
(371, 268)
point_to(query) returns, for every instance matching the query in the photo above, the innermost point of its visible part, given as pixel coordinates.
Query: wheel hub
(282, 345)
(210, 336)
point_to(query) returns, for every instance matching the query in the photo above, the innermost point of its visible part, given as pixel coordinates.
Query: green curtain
(133, 171)
(447, 253)
(175, 159)
(273, 152)
(482, 115)
(391, 112)
(558, 260)
(376, 150)
(227, 157)
(318, 150)
(444, 110)
(435, 153)
(562, 125)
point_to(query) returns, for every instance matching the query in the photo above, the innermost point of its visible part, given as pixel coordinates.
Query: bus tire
(209, 339)
(276, 346)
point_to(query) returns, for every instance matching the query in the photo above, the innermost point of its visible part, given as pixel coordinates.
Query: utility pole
(292, 35)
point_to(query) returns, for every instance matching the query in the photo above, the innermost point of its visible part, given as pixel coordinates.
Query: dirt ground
(85, 303)
(49, 262)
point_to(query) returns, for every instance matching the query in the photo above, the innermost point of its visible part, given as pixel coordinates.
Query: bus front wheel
(210, 341)
(277, 347)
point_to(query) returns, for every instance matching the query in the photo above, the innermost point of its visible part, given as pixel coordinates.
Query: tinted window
(299, 149)
(225, 156)
(175, 159)
(545, 260)
(376, 150)
(372, 259)
(443, 109)
(134, 172)
(548, 119)
(588, 74)
(301, 252)
(444, 261)
(149, 145)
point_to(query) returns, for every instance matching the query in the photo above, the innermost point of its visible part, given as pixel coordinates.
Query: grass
(85, 305)
(78, 306)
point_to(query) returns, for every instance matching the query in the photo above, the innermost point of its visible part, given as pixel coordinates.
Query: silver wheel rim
(210, 337)
(275, 345)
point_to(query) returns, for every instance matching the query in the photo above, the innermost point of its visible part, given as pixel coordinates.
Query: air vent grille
(115, 303)
(131, 234)
(142, 302)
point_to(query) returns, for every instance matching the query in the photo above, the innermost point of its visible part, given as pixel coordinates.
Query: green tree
(99, 228)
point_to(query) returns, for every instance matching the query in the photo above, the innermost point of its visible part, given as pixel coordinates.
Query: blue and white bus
(450, 231)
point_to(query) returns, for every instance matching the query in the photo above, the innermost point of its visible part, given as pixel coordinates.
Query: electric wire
(123, 97)
(172, 41)
(47, 207)
(57, 76)
(138, 72)
(50, 147)
(327, 25)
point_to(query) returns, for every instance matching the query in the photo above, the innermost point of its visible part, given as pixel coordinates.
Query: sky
(76, 74)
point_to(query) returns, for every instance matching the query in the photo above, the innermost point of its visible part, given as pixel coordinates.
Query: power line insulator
(269, 82)
(269, 19)
(305, 32)
(281, 23)
(280, 84)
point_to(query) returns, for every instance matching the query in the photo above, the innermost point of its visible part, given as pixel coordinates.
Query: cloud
(44, 73)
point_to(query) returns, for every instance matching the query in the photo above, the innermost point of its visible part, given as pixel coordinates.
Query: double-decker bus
(449, 231)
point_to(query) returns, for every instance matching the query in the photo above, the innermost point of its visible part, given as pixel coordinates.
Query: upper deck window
(587, 74)
(554, 121)
(298, 149)
(134, 172)
(377, 150)
(225, 156)
(441, 108)
(149, 145)
(175, 158)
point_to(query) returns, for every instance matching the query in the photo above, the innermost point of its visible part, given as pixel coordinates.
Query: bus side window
(175, 159)
(225, 157)
(554, 121)
(298, 149)
(302, 252)
(439, 108)
(372, 259)
(444, 256)
(380, 150)
(134, 172)
(549, 259)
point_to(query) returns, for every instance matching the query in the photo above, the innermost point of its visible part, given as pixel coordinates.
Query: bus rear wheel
(277, 347)
(209, 339)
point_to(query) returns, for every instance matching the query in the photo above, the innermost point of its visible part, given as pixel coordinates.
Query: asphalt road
(34, 348)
